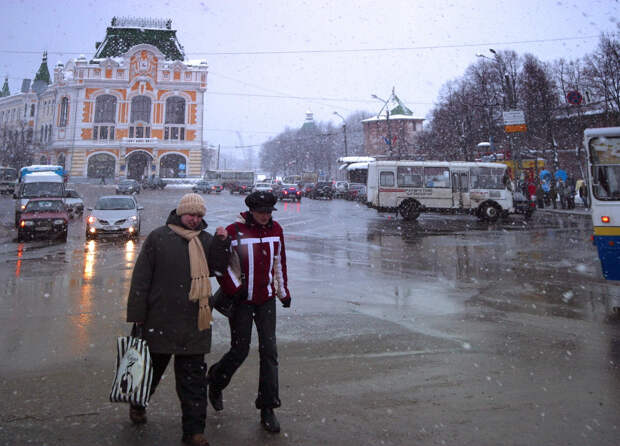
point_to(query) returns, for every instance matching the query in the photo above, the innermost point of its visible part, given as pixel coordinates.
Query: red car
(43, 218)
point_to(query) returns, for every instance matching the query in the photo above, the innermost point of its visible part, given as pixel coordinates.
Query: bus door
(460, 188)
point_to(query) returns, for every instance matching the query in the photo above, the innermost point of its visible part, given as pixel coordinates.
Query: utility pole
(218, 157)
(387, 121)
(344, 129)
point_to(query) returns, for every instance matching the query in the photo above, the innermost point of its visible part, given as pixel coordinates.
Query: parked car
(322, 189)
(128, 187)
(352, 191)
(522, 204)
(206, 187)
(307, 188)
(289, 192)
(340, 188)
(74, 203)
(43, 217)
(153, 183)
(262, 187)
(114, 215)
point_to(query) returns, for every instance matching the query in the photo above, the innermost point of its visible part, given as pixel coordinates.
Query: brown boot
(137, 414)
(195, 440)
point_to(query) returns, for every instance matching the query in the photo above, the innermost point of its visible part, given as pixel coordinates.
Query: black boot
(137, 414)
(215, 397)
(269, 421)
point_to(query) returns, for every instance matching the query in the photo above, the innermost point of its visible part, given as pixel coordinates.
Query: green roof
(44, 73)
(401, 108)
(126, 33)
(5, 88)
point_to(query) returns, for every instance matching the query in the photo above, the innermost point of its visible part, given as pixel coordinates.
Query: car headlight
(91, 219)
(59, 221)
(134, 218)
(23, 207)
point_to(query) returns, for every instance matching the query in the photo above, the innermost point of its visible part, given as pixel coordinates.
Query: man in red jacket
(259, 243)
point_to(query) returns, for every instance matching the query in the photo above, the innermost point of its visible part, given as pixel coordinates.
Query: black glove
(286, 302)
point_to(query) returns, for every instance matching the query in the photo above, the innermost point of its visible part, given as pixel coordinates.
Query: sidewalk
(579, 210)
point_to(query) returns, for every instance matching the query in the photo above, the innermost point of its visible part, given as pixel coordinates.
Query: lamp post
(344, 130)
(387, 119)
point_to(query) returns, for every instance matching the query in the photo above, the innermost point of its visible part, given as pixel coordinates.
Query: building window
(105, 108)
(141, 109)
(175, 114)
(64, 112)
(139, 131)
(175, 110)
(103, 132)
(32, 110)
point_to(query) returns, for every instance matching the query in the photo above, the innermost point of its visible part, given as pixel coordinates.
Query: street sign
(574, 97)
(514, 117)
(514, 121)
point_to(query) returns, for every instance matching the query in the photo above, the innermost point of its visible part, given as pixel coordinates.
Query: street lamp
(344, 129)
(387, 119)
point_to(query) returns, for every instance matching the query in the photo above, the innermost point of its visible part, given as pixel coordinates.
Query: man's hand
(286, 302)
(221, 232)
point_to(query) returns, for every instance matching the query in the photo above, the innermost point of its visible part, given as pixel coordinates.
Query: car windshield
(44, 206)
(115, 203)
(126, 183)
(33, 190)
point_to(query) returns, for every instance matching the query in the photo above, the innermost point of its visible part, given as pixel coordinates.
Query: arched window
(64, 112)
(175, 119)
(140, 117)
(141, 109)
(105, 109)
(105, 113)
(175, 110)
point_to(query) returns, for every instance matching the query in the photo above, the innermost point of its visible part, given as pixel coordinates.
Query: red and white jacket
(263, 260)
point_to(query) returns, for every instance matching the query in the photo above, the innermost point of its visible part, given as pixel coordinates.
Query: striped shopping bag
(134, 372)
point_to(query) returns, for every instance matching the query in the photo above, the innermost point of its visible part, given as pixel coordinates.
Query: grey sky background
(271, 61)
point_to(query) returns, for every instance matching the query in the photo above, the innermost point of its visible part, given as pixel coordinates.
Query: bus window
(386, 179)
(410, 176)
(436, 177)
(487, 178)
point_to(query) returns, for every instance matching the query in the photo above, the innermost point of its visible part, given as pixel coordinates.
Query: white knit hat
(191, 204)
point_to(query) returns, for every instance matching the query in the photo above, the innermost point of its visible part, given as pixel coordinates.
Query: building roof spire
(5, 88)
(44, 73)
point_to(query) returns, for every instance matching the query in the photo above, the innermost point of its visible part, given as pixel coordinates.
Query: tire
(489, 212)
(299, 200)
(409, 210)
(63, 237)
(20, 237)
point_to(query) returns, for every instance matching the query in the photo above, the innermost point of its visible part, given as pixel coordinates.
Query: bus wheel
(409, 209)
(489, 212)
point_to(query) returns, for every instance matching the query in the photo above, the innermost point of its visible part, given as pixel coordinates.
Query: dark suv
(127, 187)
(323, 189)
(522, 205)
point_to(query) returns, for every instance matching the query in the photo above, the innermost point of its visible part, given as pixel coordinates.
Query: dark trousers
(264, 316)
(191, 383)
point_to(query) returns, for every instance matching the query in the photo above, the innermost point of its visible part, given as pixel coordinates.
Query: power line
(305, 97)
(337, 51)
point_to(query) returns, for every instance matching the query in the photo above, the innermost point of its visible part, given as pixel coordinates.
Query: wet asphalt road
(442, 331)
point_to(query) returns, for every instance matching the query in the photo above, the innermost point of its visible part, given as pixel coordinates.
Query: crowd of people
(556, 193)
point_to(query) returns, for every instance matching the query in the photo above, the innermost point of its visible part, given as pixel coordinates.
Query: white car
(262, 187)
(114, 215)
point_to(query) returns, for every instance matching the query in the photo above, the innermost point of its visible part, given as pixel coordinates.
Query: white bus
(602, 146)
(413, 187)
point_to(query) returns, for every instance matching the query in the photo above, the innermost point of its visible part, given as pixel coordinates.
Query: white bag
(134, 372)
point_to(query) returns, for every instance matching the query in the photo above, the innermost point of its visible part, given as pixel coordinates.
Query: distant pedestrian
(583, 194)
(102, 179)
(169, 296)
(553, 194)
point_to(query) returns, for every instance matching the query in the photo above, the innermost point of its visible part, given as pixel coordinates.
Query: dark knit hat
(261, 201)
(191, 204)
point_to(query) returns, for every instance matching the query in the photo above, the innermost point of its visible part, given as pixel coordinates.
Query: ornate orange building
(134, 110)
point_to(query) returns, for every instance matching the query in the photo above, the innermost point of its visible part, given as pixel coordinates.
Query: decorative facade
(134, 113)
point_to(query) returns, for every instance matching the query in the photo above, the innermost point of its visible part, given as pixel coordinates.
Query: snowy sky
(272, 60)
